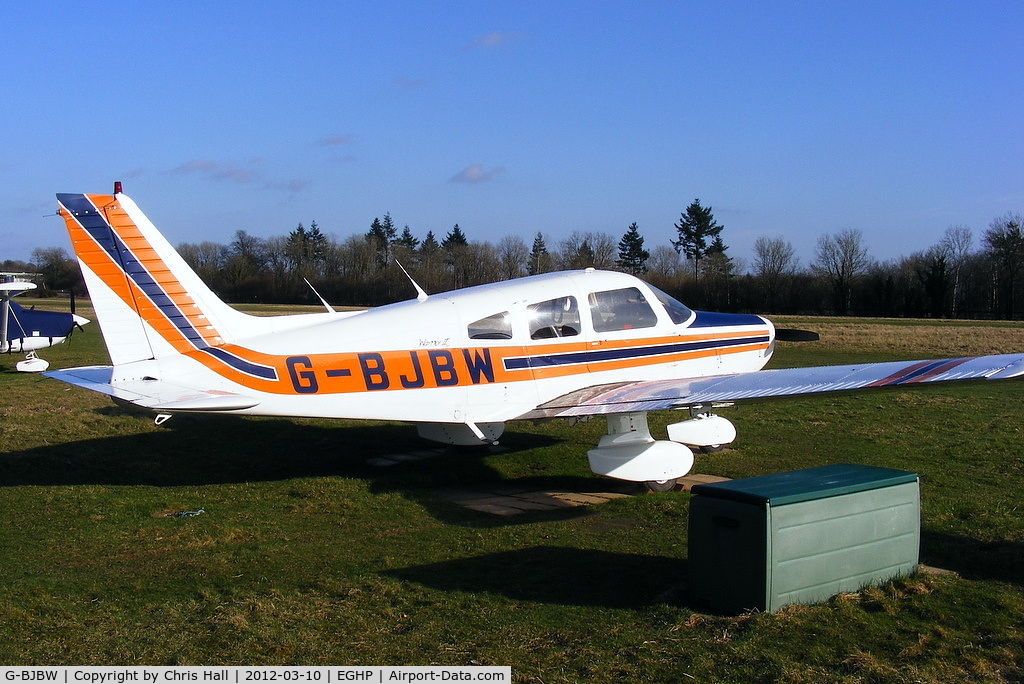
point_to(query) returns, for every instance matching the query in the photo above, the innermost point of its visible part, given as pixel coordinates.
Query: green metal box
(800, 537)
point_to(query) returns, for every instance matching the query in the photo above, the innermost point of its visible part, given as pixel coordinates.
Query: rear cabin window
(495, 327)
(625, 309)
(554, 318)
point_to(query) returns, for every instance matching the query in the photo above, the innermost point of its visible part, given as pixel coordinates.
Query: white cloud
(493, 40)
(335, 140)
(248, 173)
(476, 173)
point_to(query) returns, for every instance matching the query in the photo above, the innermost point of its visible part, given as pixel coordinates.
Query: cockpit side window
(558, 317)
(677, 311)
(494, 327)
(624, 309)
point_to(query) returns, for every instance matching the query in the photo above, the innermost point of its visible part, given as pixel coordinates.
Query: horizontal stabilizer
(152, 394)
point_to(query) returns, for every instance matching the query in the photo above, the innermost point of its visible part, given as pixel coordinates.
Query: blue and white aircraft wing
(671, 394)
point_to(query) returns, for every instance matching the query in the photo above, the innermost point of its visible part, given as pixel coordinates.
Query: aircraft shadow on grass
(560, 575)
(210, 450)
(228, 449)
(1000, 560)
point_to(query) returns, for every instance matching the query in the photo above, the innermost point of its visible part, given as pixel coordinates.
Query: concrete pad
(686, 483)
(512, 499)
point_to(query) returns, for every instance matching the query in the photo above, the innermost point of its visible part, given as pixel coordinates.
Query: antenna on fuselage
(420, 294)
(324, 301)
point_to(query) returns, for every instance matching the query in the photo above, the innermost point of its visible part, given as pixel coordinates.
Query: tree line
(961, 276)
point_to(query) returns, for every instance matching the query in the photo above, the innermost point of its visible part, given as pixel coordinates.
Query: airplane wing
(156, 395)
(630, 397)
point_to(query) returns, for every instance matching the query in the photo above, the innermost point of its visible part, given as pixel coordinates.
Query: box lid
(805, 485)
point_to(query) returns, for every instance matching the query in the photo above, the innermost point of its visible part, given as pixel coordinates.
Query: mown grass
(306, 554)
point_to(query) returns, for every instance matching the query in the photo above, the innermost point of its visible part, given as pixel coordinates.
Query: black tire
(660, 485)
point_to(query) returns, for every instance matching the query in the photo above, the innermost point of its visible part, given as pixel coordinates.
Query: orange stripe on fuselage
(348, 372)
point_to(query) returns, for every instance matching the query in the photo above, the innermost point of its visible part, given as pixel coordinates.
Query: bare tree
(774, 259)
(585, 250)
(664, 262)
(59, 269)
(957, 242)
(841, 259)
(513, 257)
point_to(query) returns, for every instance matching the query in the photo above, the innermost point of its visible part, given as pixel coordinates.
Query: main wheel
(660, 485)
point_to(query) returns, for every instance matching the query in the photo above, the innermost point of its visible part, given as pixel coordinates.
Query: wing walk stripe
(921, 372)
(569, 358)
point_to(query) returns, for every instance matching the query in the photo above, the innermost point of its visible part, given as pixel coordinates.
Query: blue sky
(789, 119)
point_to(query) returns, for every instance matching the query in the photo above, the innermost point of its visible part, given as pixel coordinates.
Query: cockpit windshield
(677, 311)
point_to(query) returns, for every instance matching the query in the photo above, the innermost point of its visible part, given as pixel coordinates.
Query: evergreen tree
(456, 256)
(407, 239)
(540, 260)
(318, 242)
(454, 238)
(305, 249)
(632, 255)
(696, 227)
(429, 244)
(388, 228)
(378, 237)
(295, 247)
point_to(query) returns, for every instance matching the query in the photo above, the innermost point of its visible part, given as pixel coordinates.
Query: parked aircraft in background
(27, 330)
(458, 364)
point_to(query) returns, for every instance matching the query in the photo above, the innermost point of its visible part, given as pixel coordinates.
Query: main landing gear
(629, 452)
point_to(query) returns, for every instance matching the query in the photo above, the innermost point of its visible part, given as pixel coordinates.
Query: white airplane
(458, 364)
(28, 330)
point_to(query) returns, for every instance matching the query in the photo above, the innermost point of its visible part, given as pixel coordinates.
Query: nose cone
(79, 320)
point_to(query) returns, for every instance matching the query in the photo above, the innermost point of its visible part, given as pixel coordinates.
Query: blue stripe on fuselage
(241, 364)
(570, 358)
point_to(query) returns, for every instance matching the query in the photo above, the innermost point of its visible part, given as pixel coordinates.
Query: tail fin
(149, 302)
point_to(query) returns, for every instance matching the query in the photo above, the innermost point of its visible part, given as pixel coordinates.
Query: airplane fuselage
(484, 354)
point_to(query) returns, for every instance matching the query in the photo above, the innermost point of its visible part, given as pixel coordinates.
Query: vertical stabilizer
(149, 302)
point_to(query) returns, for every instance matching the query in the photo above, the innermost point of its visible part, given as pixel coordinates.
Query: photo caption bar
(236, 674)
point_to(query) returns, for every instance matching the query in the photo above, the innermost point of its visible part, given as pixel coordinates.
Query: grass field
(306, 554)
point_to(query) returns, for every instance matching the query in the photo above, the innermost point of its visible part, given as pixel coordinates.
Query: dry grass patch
(913, 338)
